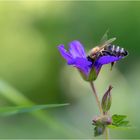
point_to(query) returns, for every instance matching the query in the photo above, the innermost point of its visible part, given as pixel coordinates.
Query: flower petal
(83, 64)
(77, 49)
(107, 59)
(97, 68)
(65, 54)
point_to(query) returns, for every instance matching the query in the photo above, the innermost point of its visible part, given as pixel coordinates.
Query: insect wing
(104, 37)
(108, 42)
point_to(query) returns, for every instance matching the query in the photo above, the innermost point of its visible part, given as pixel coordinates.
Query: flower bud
(100, 123)
(106, 100)
(99, 130)
(102, 120)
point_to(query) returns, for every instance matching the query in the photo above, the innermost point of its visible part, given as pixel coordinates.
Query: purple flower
(77, 57)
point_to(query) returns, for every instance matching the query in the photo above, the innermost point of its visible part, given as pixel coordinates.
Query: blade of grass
(19, 99)
(6, 111)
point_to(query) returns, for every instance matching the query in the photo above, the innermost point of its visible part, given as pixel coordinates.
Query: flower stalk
(99, 106)
(106, 133)
(96, 97)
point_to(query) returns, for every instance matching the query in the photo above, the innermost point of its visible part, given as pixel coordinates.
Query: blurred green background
(31, 67)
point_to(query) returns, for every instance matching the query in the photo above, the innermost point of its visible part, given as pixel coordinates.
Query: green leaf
(119, 121)
(124, 123)
(119, 127)
(112, 126)
(5, 111)
(118, 118)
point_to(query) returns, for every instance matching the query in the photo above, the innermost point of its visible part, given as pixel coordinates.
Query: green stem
(96, 97)
(99, 106)
(106, 133)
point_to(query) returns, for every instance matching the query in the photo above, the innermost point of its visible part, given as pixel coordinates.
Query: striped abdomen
(114, 51)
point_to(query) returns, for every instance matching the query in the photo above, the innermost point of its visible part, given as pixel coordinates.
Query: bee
(109, 49)
(106, 49)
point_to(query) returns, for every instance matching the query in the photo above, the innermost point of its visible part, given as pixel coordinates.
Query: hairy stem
(100, 108)
(96, 97)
